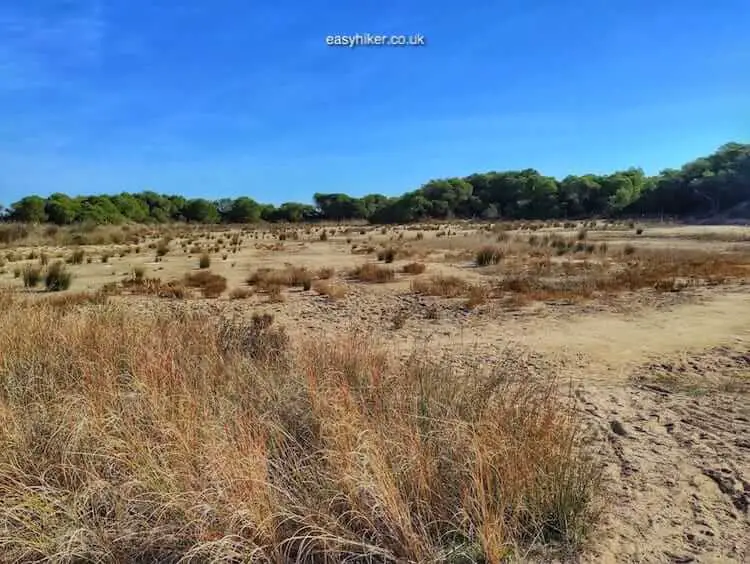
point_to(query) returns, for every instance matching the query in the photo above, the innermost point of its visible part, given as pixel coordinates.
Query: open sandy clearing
(661, 378)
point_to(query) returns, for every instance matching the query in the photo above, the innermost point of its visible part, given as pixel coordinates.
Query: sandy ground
(663, 384)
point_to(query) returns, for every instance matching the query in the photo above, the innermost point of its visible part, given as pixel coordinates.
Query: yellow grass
(136, 438)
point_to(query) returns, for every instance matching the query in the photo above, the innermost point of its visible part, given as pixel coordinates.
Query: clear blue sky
(243, 97)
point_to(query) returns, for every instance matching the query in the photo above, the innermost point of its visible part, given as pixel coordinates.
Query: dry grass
(241, 293)
(488, 255)
(211, 285)
(444, 286)
(370, 272)
(292, 276)
(142, 439)
(414, 268)
(329, 289)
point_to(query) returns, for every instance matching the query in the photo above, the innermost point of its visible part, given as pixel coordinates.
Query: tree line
(705, 186)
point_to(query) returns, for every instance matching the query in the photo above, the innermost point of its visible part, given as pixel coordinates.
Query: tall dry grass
(134, 438)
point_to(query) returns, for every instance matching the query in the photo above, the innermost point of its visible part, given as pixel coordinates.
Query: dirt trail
(677, 461)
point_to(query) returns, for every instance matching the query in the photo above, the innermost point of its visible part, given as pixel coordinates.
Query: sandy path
(616, 343)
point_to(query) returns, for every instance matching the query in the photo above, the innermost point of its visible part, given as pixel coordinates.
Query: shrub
(373, 273)
(389, 255)
(77, 257)
(162, 248)
(57, 278)
(211, 285)
(639, 231)
(629, 249)
(414, 268)
(32, 275)
(204, 261)
(488, 255)
(445, 286)
(240, 293)
(139, 274)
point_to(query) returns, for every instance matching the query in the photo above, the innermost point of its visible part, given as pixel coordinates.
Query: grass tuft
(143, 438)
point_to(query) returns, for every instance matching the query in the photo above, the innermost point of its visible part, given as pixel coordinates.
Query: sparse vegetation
(370, 272)
(235, 441)
(57, 278)
(414, 268)
(211, 285)
(489, 255)
(32, 275)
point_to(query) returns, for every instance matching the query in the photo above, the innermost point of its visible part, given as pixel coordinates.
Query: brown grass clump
(293, 276)
(204, 261)
(211, 285)
(32, 275)
(326, 273)
(77, 299)
(148, 438)
(414, 268)
(387, 255)
(370, 272)
(241, 293)
(444, 286)
(77, 257)
(57, 278)
(487, 256)
(329, 289)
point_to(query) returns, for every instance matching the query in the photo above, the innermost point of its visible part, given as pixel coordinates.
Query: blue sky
(244, 97)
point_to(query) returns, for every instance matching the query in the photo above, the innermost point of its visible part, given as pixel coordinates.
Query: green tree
(243, 210)
(200, 210)
(30, 209)
(61, 209)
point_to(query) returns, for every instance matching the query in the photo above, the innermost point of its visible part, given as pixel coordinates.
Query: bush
(211, 285)
(77, 257)
(414, 268)
(57, 278)
(387, 255)
(444, 286)
(373, 273)
(139, 274)
(32, 275)
(204, 261)
(488, 255)
(162, 248)
(240, 293)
